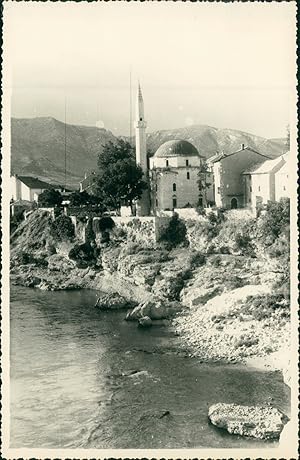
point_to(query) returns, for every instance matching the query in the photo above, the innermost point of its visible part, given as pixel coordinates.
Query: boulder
(112, 302)
(145, 322)
(154, 309)
(255, 421)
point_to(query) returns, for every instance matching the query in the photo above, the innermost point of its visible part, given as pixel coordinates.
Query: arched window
(186, 162)
(188, 176)
(167, 162)
(174, 187)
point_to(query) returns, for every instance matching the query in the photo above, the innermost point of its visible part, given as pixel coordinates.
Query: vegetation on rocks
(62, 228)
(225, 284)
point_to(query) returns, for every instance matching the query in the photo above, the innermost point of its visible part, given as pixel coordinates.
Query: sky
(218, 64)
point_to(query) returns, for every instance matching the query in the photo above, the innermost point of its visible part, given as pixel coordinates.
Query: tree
(288, 138)
(119, 179)
(81, 198)
(202, 184)
(49, 198)
(104, 226)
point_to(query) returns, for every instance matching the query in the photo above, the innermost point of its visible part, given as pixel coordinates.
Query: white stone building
(27, 188)
(283, 183)
(174, 176)
(267, 181)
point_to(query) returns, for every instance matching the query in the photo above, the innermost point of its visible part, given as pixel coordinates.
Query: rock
(258, 422)
(112, 302)
(145, 322)
(44, 286)
(154, 309)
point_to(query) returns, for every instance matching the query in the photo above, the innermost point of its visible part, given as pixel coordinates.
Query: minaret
(143, 205)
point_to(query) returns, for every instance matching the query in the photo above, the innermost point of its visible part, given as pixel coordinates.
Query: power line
(65, 142)
(130, 106)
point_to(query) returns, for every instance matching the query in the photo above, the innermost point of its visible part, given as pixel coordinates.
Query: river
(85, 378)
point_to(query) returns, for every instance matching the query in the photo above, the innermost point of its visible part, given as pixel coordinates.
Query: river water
(85, 378)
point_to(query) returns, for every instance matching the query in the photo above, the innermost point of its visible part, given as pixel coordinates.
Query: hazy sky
(225, 65)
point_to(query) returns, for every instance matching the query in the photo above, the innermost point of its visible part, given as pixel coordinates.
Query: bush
(84, 255)
(120, 233)
(275, 221)
(196, 259)
(15, 221)
(177, 284)
(104, 225)
(224, 250)
(89, 232)
(264, 306)
(49, 198)
(175, 234)
(62, 228)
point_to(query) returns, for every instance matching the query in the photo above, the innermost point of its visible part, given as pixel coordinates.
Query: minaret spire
(141, 150)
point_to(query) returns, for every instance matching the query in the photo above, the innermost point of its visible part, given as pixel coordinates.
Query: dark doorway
(234, 203)
(174, 203)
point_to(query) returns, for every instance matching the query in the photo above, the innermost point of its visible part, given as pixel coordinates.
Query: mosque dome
(176, 148)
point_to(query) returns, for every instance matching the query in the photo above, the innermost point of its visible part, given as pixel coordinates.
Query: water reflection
(84, 378)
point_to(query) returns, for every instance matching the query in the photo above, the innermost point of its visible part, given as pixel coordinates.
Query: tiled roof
(34, 182)
(220, 156)
(265, 167)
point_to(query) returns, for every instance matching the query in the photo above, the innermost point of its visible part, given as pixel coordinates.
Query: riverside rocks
(154, 309)
(258, 422)
(113, 302)
(145, 322)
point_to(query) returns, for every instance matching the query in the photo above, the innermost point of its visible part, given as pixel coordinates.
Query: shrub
(196, 259)
(211, 249)
(89, 232)
(264, 306)
(224, 250)
(274, 221)
(177, 284)
(120, 233)
(49, 198)
(83, 254)
(15, 221)
(200, 211)
(215, 261)
(62, 228)
(105, 223)
(175, 234)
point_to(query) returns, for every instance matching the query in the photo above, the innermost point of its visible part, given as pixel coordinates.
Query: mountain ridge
(38, 145)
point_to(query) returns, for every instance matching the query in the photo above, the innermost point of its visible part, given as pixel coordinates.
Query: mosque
(171, 174)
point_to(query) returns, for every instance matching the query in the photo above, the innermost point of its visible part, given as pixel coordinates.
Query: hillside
(209, 140)
(38, 146)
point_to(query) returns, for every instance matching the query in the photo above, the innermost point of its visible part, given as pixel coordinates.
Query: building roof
(88, 181)
(34, 182)
(219, 156)
(266, 167)
(287, 165)
(176, 148)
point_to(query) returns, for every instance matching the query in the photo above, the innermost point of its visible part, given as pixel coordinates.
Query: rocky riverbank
(223, 306)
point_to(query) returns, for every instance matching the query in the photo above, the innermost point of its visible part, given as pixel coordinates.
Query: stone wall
(143, 230)
(240, 214)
